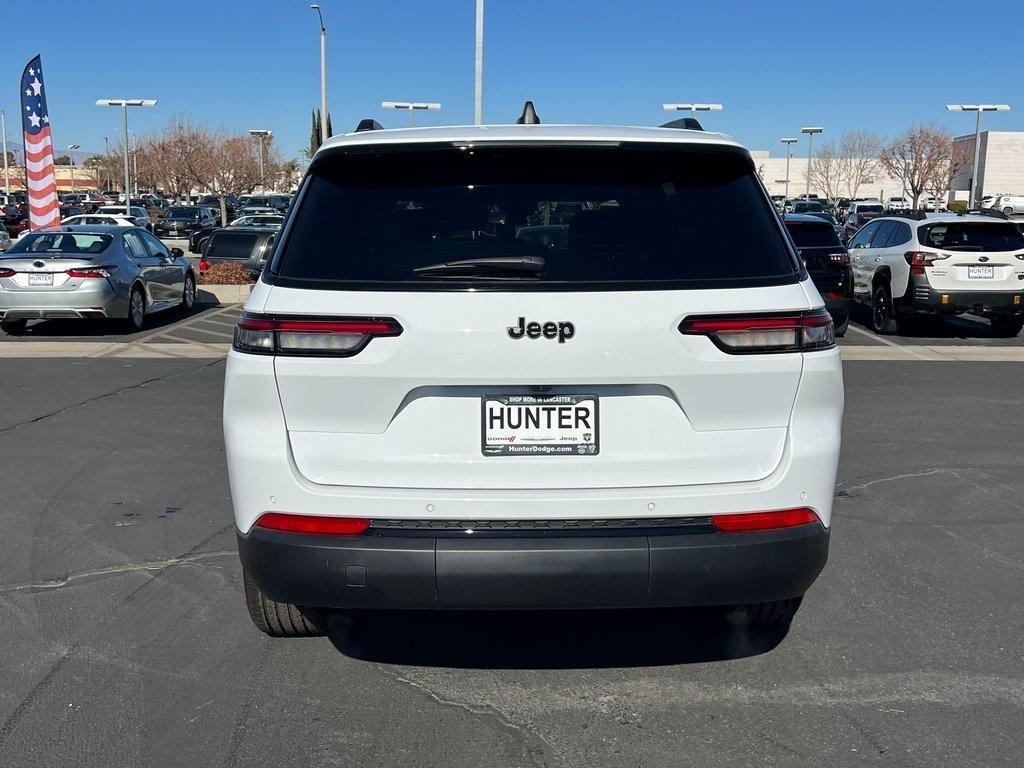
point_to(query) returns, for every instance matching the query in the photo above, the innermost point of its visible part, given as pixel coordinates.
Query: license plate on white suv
(539, 425)
(980, 273)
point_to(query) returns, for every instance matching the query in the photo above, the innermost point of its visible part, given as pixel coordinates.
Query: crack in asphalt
(105, 395)
(153, 565)
(538, 756)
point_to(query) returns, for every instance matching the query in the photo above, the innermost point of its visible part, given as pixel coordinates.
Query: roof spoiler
(685, 123)
(368, 124)
(529, 116)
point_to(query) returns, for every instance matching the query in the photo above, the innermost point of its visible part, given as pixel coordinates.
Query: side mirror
(177, 253)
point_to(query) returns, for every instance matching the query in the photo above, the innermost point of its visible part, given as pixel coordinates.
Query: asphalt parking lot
(125, 641)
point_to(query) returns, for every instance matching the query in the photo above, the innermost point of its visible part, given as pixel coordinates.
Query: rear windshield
(231, 245)
(181, 213)
(808, 235)
(624, 217)
(61, 243)
(870, 209)
(972, 236)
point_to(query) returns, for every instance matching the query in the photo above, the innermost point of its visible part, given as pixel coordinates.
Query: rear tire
(188, 295)
(281, 619)
(883, 314)
(840, 327)
(1007, 326)
(771, 614)
(1008, 211)
(14, 327)
(136, 309)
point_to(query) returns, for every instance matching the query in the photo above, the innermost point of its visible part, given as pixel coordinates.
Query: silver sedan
(92, 272)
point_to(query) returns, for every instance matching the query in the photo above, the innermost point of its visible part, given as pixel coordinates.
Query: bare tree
(825, 170)
(859, 153)
(918, 157)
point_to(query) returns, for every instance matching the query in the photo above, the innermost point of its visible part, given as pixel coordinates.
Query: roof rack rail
(529, 116)
(685, 123)
(368, 124)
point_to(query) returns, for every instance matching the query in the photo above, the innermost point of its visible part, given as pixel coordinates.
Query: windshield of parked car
(972, 236)
(869, 209)
(811, 235)
(181, 213)
(807, 207)
(600, 217)
(62, 243)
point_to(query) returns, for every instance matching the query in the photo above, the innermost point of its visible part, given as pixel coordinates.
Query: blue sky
(241, 64)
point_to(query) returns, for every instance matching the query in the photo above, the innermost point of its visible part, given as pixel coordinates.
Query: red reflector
(338, 526)
(5, 272)
(720, 324)
(203, 265)
(763, 521)
(371, 328)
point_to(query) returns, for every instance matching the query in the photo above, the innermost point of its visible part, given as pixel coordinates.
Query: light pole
(7, 171)
(693, 109)
(478, 66)
(106, 154)
(124, 104)
(71, 157)
(323, 74)
(979, 108)
(261, 134)
(789, 142)
(810, 141)
(410, 106)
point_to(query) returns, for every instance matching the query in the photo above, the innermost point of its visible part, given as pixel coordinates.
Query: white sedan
(99, 218)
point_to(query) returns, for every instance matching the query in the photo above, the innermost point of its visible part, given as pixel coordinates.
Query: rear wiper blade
(515, 265)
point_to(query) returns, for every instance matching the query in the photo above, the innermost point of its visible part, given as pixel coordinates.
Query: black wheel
(14, 327)
(188, 295)
(281, 619)
(1008, 211)
(1007, 326)
(883, 314)
(201, 245)
(841, 326)
(769, 614)
(136, 309)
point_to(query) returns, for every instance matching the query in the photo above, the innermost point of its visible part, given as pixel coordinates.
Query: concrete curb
(223, 294)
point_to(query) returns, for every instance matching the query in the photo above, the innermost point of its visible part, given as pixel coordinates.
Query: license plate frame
(542, 440)
(981, 272)
(46, 278)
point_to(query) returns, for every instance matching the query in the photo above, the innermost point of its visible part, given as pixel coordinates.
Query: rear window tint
(231, 245)
(599, 217)
(808, 235)
(972, 236)
(62, 243)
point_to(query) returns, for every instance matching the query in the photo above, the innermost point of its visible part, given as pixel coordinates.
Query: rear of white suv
(532, 366)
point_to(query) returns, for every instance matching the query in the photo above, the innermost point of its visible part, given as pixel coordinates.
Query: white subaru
(531, 366)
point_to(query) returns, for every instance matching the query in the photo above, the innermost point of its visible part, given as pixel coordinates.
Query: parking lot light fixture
(71, 157)
(789, 142)
(261, 134)
(124, 104)
(980, 109)
(410, 106)
(7, 171)
(810, 141)
(323, 73)
(693, 109)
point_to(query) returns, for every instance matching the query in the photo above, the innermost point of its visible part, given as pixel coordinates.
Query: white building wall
(773, 173)
(1000, 167)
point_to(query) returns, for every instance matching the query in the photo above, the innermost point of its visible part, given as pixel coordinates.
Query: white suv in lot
(530, 366)
(944, 263)
(1011, 205)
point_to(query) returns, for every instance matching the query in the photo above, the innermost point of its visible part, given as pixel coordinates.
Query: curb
(223, 294)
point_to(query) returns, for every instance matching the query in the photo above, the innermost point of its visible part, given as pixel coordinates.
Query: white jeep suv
(944, 263)
(530, 366)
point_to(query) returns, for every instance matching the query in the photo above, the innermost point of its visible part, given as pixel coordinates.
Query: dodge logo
(563, 331)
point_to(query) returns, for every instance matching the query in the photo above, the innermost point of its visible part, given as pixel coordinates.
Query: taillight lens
(918, 260)
(759, 334)
(337, 526)
(5, 272)
(203, 265)
(336, 337)
(92, 272)
(764, 521)
(840, 259)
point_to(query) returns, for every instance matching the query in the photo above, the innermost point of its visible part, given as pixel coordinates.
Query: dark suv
(182, 220)
(827, 261)
(246, 246)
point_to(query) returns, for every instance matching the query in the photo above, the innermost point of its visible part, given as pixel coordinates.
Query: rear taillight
(337, 526)
(764, 521)
(918, 260)
(759, 334)
(203, 265)
(840, 259)
(5, 272)
(92, 272)
(336, 337)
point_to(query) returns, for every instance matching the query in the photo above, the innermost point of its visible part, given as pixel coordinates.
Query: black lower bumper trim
(923, 297)
(685, 569)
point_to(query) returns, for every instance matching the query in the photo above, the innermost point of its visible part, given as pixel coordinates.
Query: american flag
(43, 206)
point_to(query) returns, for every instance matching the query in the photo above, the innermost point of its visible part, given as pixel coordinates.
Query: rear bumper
(922, 297)
(463, 572)
(86, 302)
